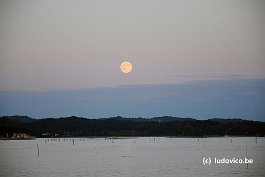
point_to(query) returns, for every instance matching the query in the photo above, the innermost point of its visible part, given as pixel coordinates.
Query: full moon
(126, 67)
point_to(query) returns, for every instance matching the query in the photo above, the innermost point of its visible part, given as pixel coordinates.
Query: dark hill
(171, 119)
(16, 118)
(120, 126)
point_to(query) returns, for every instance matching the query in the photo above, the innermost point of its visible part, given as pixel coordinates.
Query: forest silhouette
(120, 126)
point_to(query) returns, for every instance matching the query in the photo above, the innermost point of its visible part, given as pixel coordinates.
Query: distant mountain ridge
(171, 119)
(26, 119)
(23, 119)
(119, 126)
(155, 119)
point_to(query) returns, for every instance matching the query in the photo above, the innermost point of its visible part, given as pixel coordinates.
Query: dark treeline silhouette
(119, 126)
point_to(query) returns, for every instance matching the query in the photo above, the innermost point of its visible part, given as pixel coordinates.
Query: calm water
(133, 157)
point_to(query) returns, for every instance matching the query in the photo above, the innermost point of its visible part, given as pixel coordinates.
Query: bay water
(132, 157)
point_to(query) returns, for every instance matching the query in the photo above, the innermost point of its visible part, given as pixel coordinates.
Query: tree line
(119, 126)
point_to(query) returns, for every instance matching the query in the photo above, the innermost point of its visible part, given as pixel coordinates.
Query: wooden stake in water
(247, 151)
(246, 148)
(38, 150)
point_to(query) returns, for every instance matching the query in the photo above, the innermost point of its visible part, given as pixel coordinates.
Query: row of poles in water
(83, 139)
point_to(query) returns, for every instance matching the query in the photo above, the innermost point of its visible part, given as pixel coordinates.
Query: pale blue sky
(241, 98)
(65, 46)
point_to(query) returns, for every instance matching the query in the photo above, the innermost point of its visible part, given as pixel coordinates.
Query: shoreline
(131, 137)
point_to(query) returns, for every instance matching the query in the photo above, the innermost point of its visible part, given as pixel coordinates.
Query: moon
(126, 67)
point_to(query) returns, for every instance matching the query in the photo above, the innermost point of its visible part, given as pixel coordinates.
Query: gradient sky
(60, 58)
